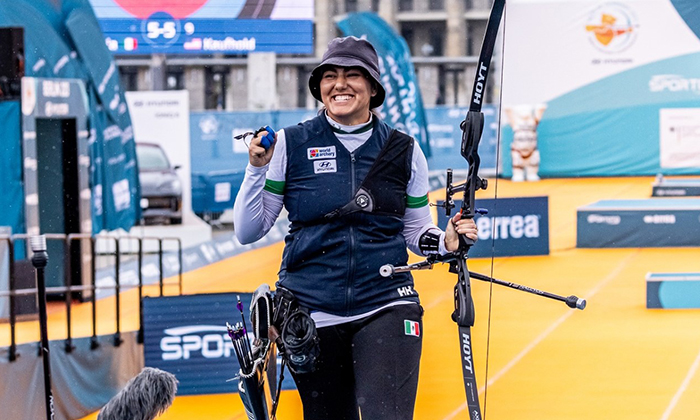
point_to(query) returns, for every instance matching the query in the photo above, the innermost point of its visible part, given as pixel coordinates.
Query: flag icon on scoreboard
(130, 43)
(411, 328)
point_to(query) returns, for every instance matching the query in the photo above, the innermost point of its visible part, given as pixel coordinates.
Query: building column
(456, 36)
(262, 81)
(237, 94)
(158, 71)
(194, 83)
(428, 80)
(387, 11)
(324, 28)
(288, 86)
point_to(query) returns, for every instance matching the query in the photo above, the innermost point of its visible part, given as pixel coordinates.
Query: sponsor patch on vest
(324, 166)
(314, 153)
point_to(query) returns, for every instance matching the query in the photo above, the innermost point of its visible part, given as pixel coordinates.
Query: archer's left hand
(458, 226)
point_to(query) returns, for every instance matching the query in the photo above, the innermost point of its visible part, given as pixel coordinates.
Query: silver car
(161, 189)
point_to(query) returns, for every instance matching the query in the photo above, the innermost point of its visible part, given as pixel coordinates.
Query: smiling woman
(346, 94)
(356, 194)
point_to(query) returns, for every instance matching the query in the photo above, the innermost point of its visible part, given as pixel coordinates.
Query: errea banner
(187, 336)
(513, 226)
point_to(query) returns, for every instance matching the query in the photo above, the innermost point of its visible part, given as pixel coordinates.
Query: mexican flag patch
(411, 328)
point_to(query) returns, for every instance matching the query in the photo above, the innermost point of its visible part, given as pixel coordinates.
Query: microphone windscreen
(145, 397)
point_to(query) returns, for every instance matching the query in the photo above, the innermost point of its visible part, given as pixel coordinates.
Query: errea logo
(660, 219)
(504, 227)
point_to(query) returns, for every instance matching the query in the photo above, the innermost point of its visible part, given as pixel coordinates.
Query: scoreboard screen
(230, 27)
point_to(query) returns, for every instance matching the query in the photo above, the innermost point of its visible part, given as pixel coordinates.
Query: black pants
(371, 363)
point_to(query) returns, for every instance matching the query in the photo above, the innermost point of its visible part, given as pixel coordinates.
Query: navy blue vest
(333, 266)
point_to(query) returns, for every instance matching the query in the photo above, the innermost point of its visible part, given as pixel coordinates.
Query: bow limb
(472, 129)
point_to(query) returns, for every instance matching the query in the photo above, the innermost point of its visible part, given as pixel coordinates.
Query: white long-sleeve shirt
(256, 209)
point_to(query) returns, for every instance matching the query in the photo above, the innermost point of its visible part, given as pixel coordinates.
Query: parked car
(161, 189)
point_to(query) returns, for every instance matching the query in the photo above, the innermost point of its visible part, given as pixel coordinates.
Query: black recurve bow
(472, 128)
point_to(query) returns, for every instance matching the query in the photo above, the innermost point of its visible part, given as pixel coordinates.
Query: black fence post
(39, 261)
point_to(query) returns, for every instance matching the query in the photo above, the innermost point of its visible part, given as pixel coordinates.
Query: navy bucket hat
(349, 52)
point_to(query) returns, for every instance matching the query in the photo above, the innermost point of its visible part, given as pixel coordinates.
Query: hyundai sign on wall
(187, 336)
(206, 26)
(513, 226)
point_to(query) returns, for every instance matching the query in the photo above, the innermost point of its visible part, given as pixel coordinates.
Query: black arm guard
(429, 242)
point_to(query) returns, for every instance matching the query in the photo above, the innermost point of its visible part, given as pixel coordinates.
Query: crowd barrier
(17, 309)
(663, 187)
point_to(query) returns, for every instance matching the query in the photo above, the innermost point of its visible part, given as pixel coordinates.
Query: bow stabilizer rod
(573, 302)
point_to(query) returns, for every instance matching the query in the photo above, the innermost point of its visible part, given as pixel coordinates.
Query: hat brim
(341, 61)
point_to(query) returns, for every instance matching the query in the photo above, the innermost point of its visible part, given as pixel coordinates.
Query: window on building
(174, 78)
(375, 5)
(475, 35)
(128, 78)
(478, 4)
(215, 81)
(437, 37)
(405, 5)
(408, 35)
(436, 4)
(303, 74)
(350, 6)
(440, 100)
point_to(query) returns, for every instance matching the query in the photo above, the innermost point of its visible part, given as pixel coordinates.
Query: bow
(472, 128)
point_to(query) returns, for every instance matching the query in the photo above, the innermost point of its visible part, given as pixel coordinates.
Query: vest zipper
(351, 256)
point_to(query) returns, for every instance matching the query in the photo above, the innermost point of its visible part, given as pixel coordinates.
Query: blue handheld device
(269, 138)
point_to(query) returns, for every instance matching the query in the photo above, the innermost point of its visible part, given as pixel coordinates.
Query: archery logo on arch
(314, 153)
(612, 27)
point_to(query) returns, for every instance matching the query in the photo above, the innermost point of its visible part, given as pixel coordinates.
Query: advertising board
(187, 336)
(513, 226)
(206, 26)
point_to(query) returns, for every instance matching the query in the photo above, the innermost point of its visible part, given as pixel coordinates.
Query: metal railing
(68, 289)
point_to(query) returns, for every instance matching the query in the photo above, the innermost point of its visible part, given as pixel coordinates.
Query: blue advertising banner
(187, 336)
(218, 160)
(206, 26)
(446, 138)
(513, 226)
(403, 106)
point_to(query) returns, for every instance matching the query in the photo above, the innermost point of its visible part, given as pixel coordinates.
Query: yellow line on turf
(682, 388)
